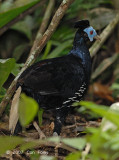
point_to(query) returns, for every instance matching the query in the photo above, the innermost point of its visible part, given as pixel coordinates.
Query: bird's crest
(82, 24)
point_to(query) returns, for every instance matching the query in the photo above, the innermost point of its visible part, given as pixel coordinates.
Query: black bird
(58, 82)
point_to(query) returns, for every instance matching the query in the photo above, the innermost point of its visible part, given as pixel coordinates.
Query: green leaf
(19, 50)
(16, 69)
(23, 28)
(40, 113)
(32, 143)
(7, 143)
(103, 111)
(56, 52)
(2, 93)
(115, 86)
(73, 156)
(6, 67)
(5, 5)
(78, 143)
(7, 16)
(47, 49)
(28, 108)
(29, 145)
(34, 156)
(54, 139)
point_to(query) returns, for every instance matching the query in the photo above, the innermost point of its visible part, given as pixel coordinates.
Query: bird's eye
(91, 32)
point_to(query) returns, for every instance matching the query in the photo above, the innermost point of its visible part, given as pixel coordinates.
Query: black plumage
(58, 82)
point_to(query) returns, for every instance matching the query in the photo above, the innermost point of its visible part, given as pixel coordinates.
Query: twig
(52, 27)
(86, 124)
(48, 143)
(56, 149)
(68, 148)
(61, 145)
(44, 24)
(47, 35)
(21, 16)
(41, 134)
(86, 151)
(104, 35)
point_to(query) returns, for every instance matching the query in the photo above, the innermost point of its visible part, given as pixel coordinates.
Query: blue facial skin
(90, 32)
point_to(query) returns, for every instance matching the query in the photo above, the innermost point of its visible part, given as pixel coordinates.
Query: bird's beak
(97, 37)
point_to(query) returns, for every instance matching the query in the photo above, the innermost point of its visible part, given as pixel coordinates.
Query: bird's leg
(18, 128)
(59, 120)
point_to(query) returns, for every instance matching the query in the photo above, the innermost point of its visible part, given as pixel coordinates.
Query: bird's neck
(81, 50)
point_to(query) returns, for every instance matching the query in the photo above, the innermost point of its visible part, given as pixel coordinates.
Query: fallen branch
(21, 16)
(33, 55)
(104, 35)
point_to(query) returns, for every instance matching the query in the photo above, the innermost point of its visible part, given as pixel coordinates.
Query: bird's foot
(55, 134)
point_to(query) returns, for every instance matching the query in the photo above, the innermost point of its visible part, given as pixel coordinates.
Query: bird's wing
(54, 76)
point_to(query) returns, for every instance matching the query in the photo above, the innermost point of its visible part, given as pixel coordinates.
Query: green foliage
(59, 49)
(2, 93)
(44, 157)
(103, 111)
(115, 89)
(17, 68)
(84, 5)
(91, 115)
(47, 49)
(29, 145)
(54, 139)
(6, 67)
(40, 113)
(78, 143)
(34, 156)
(18, 51)
(28, 108)
(7, 16)
(73, 156)
(8, 143)
(115, 86)
(23, 28)
(104, 144)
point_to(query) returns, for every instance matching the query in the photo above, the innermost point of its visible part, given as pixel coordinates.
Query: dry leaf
(52, 126)
(102, 91)
(14, 111)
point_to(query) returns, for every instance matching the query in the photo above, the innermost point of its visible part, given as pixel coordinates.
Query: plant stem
(104, 35)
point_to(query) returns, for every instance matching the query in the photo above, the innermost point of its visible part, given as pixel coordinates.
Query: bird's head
(87, 30)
